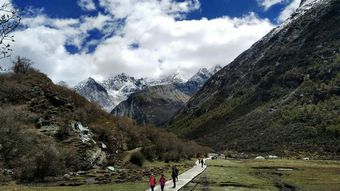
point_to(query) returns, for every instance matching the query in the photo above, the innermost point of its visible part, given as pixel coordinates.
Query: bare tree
(9, 20)
(21, 65)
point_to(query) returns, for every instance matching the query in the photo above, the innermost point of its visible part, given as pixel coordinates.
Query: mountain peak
(90, 80)
(215, 69)
(309, 2)
(203, 70)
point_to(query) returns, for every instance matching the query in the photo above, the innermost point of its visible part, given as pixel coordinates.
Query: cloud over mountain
(142, 38)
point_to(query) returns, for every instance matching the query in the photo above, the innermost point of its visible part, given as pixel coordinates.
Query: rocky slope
(96, 93)
(156, 104)
(280, 96)
(48, 130)
(110, 92)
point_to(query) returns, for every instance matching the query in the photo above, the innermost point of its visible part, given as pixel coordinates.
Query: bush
(150, 153)
(14, 143)
(74, 161)
(137, 159)
(171, 156)
(45, 161)
(63, 132)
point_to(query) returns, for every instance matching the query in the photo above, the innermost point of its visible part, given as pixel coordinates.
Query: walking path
(183, 179)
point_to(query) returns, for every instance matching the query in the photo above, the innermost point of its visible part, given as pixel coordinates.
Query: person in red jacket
(152, 182)
(162, 182)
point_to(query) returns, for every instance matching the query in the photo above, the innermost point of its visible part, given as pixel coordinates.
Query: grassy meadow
(244, 175)
(126, 186)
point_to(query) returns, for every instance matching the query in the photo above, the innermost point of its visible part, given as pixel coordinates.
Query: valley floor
(244, 175)
(238, 175)
(140, 184)
(107, 187)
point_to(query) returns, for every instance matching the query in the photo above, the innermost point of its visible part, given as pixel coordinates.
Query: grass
(242, 175)
(108, 187)
(128, 186)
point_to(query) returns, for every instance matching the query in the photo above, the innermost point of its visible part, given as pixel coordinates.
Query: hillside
(110, 92)
(48, 130)
(154, 105)
(280, 96)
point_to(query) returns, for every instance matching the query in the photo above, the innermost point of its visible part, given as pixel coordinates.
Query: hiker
(202, 163)
(152, 182)
(177, 173)
(162, 182)
(174, 175)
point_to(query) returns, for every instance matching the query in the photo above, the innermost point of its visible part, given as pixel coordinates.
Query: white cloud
(291, 8)
(266, 4)
(87, 5)
(167, 41)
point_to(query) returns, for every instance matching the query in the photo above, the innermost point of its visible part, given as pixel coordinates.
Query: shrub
(150, 153)
(13, 142)
(63, 132)
(74, 161)
(45, 161)
(171, 156)
(137, 159)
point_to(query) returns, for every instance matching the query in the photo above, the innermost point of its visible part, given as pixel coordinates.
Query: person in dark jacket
(152, 182)
(174, 175)
(162, 182)
(202, 163)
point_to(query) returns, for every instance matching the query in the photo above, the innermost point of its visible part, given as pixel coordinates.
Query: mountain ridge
(156, 104)
(111, 92)
(270, 98)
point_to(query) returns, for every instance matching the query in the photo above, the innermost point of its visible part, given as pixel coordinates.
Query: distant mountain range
(111, 92)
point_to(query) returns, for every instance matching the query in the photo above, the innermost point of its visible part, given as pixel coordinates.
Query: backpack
(162, 181)
(152, 181)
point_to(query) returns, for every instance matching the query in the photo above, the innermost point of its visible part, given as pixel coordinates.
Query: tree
(21, 65)
(9, 21)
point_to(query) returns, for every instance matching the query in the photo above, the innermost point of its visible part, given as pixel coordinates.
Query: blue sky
(144, 38)
(209, 8)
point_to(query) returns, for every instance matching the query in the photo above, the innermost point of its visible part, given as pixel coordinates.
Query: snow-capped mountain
(215, 69)
(157, 104)
(116, 89)
(95, 92)
(175, 78)
(263, 93)
(121, 86)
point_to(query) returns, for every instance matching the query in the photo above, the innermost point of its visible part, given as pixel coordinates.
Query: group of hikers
(174, 176)
(162, 180)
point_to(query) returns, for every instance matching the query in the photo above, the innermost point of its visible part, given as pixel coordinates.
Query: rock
(259, 158)
(272, 157)
(67, 176)
(8, 172)
(103, 146)
(80, 172)
(285, 169)
(111, 168)
(84, 132)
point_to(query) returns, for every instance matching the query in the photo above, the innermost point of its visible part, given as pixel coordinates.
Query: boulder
(259, 158)
(103, 146)
(272, 157)
(67, 177)
(111, 168)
